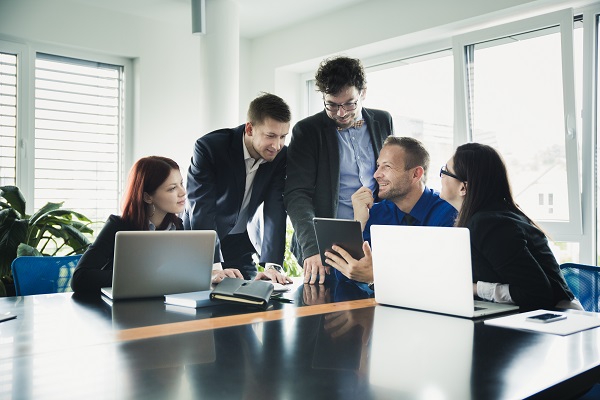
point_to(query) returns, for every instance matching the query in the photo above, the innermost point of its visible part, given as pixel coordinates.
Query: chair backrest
(41, 275)
(584, 282)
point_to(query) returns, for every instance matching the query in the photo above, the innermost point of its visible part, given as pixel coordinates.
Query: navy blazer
(216, 182)
(313, 182)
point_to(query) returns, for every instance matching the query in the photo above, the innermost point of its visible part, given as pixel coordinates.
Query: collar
(247, 156)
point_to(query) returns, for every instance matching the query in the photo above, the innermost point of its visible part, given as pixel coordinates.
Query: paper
(574, 322)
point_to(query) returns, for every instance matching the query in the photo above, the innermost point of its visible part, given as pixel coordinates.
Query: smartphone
(545, 318)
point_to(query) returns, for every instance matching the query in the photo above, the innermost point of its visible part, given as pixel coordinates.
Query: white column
(220, 66)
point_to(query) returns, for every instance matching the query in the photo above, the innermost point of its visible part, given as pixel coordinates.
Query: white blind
(78, 127)
(8, 118)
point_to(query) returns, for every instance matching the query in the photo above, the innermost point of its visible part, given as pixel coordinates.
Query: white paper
(575, 322)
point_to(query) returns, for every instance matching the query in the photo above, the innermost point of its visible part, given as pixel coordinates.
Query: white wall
(168, 114)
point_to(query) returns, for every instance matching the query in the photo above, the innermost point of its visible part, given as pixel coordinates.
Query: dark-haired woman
(154, 197)
(511, 259)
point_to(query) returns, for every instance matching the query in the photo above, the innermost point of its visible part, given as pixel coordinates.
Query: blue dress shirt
(430, 210)
(357, 166)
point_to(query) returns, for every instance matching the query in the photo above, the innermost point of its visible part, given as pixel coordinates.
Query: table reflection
(420, 355)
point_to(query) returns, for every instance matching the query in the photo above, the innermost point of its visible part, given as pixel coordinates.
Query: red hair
(146, 175)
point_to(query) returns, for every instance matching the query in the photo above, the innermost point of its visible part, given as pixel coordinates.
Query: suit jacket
(216, 183)
(313, 181)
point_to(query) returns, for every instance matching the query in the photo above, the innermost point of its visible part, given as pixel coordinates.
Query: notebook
(155, 263)
(427, 268)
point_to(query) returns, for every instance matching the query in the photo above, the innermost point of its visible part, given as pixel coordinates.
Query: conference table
(330, 342)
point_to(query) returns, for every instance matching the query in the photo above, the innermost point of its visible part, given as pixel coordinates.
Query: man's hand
(219, 274)
(313, 268)
(359, 270)
(362, 201)
(315, 294)
(271, 274)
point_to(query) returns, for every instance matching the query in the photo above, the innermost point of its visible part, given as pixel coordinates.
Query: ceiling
(257, 17)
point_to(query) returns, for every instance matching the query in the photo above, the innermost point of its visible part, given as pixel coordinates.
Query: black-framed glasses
(444, 171)
(346, 106)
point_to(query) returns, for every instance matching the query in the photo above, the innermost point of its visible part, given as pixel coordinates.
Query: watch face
(275, 267)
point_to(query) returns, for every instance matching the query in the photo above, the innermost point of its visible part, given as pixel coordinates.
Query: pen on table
(282, 299)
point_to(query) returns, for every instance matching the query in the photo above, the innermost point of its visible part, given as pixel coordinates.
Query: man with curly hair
(331, 155)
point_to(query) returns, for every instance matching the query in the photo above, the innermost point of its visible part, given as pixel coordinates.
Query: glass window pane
(517, 104)
(419, 95)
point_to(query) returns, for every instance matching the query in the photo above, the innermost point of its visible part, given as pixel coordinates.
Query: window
(8, 118)
(78, 130)
(419, 94)
(520, 95)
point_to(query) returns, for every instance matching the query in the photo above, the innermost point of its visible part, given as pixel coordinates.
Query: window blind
(78, 128)
(8, 118)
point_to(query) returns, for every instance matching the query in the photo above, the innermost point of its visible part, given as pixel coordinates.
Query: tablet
(344, 233)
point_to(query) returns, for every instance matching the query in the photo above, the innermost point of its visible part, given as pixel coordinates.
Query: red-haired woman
(154, 197)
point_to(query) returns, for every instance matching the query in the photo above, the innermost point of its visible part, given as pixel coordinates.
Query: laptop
(427, 268)
(155, 263)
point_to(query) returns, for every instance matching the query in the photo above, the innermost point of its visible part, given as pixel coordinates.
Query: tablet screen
(344, 233)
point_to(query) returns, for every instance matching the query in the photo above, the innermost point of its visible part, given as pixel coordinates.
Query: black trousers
(238, 253)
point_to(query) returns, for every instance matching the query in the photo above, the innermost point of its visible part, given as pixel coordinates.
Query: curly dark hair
(335, 73)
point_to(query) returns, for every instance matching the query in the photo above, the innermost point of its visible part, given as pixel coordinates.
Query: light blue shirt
(357, 166)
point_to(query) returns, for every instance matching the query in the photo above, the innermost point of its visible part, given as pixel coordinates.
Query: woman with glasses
(511, 259)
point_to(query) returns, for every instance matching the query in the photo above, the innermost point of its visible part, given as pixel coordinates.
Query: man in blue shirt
(401, 174)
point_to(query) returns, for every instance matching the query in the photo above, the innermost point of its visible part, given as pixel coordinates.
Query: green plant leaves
(14, 197)
(49, 231)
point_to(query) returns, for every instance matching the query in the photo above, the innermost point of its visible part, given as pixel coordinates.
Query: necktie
(356, 124)
(409, 219)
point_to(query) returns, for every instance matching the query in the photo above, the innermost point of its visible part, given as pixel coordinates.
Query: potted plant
(49, 231)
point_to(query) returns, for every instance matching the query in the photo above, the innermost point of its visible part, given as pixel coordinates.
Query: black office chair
(584, 282)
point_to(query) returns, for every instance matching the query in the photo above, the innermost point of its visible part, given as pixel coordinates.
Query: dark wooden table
(322, 346)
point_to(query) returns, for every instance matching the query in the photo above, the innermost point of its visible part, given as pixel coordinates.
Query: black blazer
(313, 181)
(216, 183)
(506, 248)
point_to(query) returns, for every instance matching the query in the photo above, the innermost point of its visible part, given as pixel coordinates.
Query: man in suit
(331, 155)
(232, 173)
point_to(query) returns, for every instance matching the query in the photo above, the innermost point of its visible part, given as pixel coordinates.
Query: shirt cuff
(496, 292)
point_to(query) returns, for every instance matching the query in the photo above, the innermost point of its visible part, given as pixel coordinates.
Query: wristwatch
(275, 267)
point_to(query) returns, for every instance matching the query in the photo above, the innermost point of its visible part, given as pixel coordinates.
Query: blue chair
(584, 282)
(41, 275)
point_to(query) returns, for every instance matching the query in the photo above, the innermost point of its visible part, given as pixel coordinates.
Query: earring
(153, 210)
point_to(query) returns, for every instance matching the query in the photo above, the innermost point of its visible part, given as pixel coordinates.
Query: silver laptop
(155, 263)
(427, 268)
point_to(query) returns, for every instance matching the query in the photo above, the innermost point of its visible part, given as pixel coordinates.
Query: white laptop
(155, 263)
(427, 268)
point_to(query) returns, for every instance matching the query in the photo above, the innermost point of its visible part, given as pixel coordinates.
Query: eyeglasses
(335, 107)
(444, 171)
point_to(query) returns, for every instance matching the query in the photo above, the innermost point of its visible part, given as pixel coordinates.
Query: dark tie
(356, 124)
(409, 219)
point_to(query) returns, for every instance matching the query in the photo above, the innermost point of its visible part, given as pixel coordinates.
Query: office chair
(41, 275)
(584, 282)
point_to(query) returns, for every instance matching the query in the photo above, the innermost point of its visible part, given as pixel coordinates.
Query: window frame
(25, 154)
(463, 130)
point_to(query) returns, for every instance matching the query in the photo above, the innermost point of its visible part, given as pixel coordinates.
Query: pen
(282, 299)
